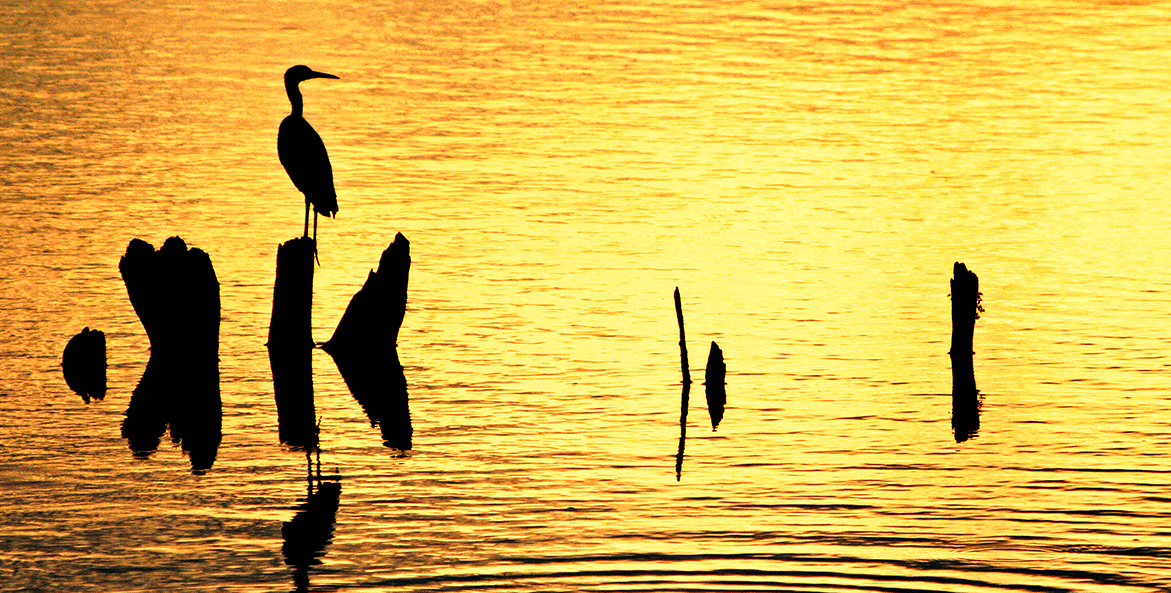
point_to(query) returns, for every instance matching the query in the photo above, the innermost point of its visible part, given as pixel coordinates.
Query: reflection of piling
(175, 293)
(292, 383)
(84, 364)
(290, 343)
(686, 388)
(717, 398)
(365, 350)
(965, 310)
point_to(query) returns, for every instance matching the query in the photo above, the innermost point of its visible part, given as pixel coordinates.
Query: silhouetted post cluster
(364, 345)
(965, 310)
(84, 364)
(713, 383)
(290, 343)
(175, 293)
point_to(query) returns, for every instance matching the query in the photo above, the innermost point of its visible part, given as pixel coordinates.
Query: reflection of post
(365, 350)
(686, 388)
(292, 384)
(175, 293)
(84, 364)
(290, 343)
(717, 398)
(965, 310)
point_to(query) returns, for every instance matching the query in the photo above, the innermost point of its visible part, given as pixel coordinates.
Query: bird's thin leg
(315, 236)
(306, 218)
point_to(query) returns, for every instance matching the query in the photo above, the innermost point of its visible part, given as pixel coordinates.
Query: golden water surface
(805, 172)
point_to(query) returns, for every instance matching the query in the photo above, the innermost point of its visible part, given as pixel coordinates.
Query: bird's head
(298, 73)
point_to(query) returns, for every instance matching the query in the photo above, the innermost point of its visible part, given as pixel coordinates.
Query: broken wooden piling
(175, 293)
(364, 345)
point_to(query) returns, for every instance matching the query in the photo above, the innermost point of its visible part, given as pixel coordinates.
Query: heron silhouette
(303, 153)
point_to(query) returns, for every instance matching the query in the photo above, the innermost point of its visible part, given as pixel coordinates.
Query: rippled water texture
(805, 173)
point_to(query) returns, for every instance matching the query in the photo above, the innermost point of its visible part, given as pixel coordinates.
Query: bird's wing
(303, 155)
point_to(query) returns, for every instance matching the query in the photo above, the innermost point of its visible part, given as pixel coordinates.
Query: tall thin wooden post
(683, 404)
(965, 310)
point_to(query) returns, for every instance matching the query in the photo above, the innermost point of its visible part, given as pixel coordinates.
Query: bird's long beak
(316, 74)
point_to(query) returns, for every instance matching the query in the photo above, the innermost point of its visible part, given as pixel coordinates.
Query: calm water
(805, 173)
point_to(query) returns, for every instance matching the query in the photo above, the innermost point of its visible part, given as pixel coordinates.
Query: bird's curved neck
(295, 97)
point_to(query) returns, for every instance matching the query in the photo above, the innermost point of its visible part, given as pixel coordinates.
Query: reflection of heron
(303, 153)
(311, 529)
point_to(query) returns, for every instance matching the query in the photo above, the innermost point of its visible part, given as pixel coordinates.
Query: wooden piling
(682, 338)
(175, 293)
(292, 296)
(713, 380)
(364, 345)
(965, 310)
(290, 344)
(686, 396)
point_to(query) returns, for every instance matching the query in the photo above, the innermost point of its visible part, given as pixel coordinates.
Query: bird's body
(302, 152)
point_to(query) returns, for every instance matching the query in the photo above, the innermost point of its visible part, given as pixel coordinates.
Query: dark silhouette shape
(311, 529)
(292, 295)
(714, 385)
(84, 364)
(379, 384)
(290, 344)
(364, 345)
(682, 339)
(966, 306)
(302, 152)
(175, 293)
(965, 415)
(686, 388)
(292, 382)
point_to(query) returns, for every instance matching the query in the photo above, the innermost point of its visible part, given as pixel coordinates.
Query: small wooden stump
(965, 310)
(717, 397)
(364, 345)
(176, 295)
(84, 364)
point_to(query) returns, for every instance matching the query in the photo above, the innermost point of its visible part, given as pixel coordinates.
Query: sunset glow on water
(805, 174)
